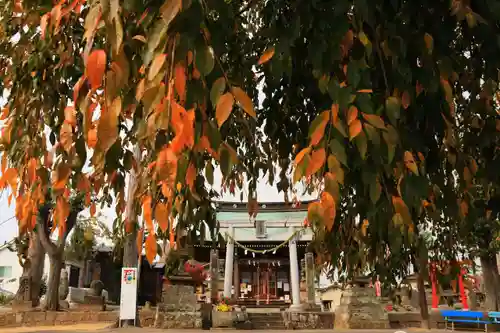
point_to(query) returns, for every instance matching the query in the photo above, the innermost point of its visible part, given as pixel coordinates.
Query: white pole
(228, 271)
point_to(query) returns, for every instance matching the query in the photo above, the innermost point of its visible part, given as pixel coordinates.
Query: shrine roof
(224, 206)
(284, 216)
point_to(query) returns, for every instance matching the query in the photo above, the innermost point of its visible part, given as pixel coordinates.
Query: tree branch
(41, 222)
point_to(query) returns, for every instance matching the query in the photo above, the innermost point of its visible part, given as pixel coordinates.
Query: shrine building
(261, 260)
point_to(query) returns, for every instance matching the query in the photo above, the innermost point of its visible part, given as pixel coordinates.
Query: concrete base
(296, 308)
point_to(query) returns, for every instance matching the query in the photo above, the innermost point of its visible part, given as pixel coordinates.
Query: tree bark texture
(33, 266)
(424, 310)
(56, 254)
(37, 253)
(491, 280)
(52, 298)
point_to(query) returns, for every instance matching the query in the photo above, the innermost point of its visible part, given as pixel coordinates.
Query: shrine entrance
(264, 280)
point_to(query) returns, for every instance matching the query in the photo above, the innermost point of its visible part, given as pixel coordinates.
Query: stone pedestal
(178, 308)
(359, 309)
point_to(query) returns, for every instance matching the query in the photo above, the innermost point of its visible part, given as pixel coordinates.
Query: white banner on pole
(128, 295)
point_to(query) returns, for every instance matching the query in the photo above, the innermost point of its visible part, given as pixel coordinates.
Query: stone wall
(308, 320)
(179, 308)
(51, 318)
(360, 309)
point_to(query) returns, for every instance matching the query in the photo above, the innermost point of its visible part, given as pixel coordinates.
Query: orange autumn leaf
(224, 108)
(180, 80)
(70, 115)
(147, 212)
(44, 20)
(410, 163)
(464, 208)
(60, 176)
(355, 128)
(301, 155)
(61, 213)
(266, 56)
(139, 90)
(335, 113)
(314, 212)
(9, 177)
(352, 114)
(156, 65)
(151, 247)
(319, 131)
(329, 210)
(92, 209)
(405, 100)
(66, 136)
(162, 215)
(190, 176)
(166, 165)
(401, 208)
(244, 101)
(318, 158)
(5, 113)
(31, 172)
(96, 65)
(107, 129)
(139, 239)
(364, 227)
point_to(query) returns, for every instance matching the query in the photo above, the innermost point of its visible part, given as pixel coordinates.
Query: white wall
(8, 258)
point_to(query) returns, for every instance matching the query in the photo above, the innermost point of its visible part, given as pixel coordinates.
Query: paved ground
(103, 328)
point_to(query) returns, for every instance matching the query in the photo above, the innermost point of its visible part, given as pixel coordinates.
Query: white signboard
(128, 297)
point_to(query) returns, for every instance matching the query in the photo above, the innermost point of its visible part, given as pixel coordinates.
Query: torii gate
(461, 274)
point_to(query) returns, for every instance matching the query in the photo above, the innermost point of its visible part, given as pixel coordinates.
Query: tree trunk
(424, 310)
(37, 268)
(491, 280)
(56, 264)
(421, 260)
(33, 267)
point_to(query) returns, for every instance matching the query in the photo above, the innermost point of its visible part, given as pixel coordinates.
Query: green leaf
(218, 88)
(225, 162)
(213, 135)
(338, 150)
(375, 190)
(204, 59)
(209, 173)
(391, 139)
(353, 76)
(392, 109)
(397, 219)
(373, 134)
(362, 144)
(323, 83)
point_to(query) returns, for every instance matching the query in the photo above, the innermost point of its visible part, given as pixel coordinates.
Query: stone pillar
(294, 271)
(236, 278)
(214, 275)
(310, 277)
(228, 271)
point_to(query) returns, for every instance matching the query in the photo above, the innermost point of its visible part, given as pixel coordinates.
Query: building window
(5, 272)
(260, 229)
